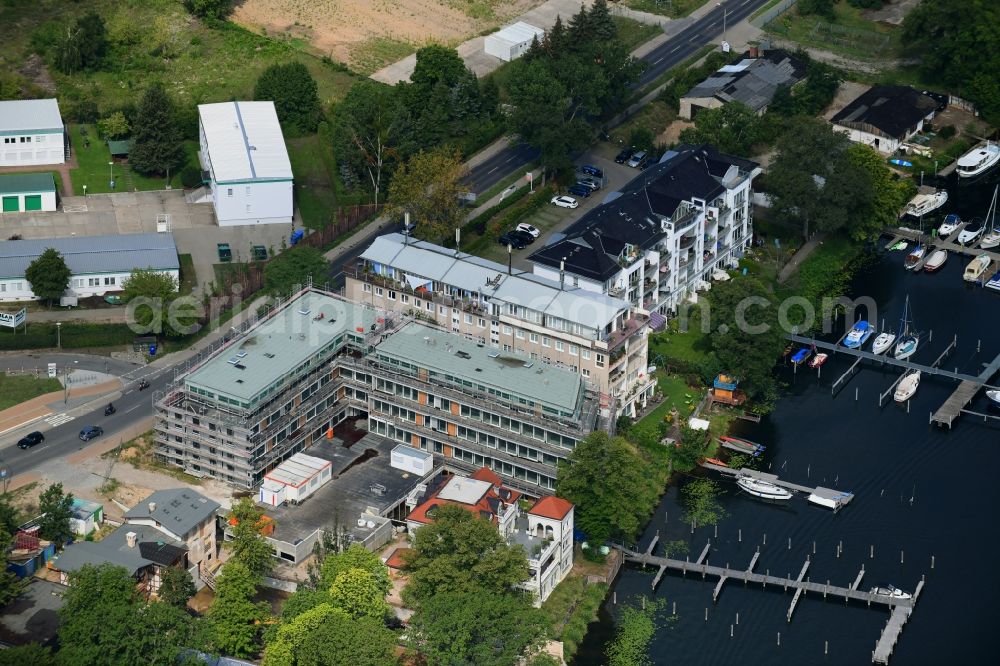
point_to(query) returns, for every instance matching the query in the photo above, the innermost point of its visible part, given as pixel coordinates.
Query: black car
(624, 156)
(30, 440)
(579, 190)
(510, 238)
(527, 238)
(90, 432)
(591, 170)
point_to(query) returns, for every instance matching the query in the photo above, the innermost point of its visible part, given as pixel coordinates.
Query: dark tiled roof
(179, 510)
(892, 109)
(160, 552)
(752, 81)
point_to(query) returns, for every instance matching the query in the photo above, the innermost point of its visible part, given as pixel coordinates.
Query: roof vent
(268, 354)
(463, 354)
(240, 366)
(130, 539)
(233, 360)
(152, 507)
(528, 364)
(479, 369)
(304, 311)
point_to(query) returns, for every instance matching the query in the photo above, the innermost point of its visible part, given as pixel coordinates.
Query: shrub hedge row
(72, 336)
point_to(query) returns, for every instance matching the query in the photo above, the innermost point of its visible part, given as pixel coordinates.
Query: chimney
(152, 507)
(562, 272)
(130, 539)
(754, 51)
(458, 240)
(406, 224)
(510, 258)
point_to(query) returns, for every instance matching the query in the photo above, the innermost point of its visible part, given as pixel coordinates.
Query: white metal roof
(518, 33)
(245, 142)
(30, 114)
(297, 470)
(463, 489)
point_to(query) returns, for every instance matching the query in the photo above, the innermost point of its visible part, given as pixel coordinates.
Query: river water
(921, 492)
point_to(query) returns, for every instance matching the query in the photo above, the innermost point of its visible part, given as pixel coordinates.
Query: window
(93, 282)
(430, 306)
(533, 337)
(392, 295)
(367, 288)
(573, 350)
(507, 330)
(586, 354)
(229, 191)
(600, 360)
(519, 334)
(481, 323)
(442, 310)
(468, 319)
(109, 281)
(403, 298)
(559, 345)
(546, 342)
(378, 291)
(586, 372)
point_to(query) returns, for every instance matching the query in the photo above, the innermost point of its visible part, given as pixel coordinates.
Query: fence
(772, 13)
(345, 220)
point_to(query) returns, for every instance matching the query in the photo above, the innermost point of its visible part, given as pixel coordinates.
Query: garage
(28, 192)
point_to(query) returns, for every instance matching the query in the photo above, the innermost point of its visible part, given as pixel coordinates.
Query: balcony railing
(629, 328)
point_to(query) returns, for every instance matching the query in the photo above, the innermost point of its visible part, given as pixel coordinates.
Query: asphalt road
(682, 46)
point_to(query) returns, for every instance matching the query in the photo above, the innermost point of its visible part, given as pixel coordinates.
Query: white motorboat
(974, 271)
(762, 489)
(882, 342)
(992, 238)
(951, 223)
(971, 232)
(922, 204)
(994, 396)
(978, 160)
(891, 591)
(908, 340)
(936, 260)
(907, 387)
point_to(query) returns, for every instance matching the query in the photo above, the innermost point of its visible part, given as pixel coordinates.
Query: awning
(416, 282)
(657, 321)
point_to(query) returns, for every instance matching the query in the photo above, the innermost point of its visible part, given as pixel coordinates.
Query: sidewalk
(39, 407)
(800, 255)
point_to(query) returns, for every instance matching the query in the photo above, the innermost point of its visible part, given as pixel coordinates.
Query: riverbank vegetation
(570, 608)
(634, 632)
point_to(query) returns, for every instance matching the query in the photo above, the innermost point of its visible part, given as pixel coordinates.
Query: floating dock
(827, 497)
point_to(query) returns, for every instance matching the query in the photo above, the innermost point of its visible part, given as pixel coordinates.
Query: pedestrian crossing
(59, 419)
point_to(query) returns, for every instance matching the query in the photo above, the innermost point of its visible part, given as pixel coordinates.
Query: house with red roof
(545, 530)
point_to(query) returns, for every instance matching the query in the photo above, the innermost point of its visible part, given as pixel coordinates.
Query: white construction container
(295, 479)
(409, 459)
(512, 42)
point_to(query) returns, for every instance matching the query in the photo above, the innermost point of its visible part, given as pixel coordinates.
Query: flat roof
(86, 255)
(465, 490)
(275, 347)
(245, 142)
(518, 33)
(480, 366)
(297, 470)
(30, 115)
(27, 183)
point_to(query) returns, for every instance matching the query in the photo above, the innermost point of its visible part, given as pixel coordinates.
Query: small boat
(858, 335)
(936, 260)
(818, 360)
(908, 340)
(762, 489)
(974, 271)
(901, 245)
(907, 387)
(950, 225)
(978, 160)
(891, 591)
(788, 350)
(991, 239)
(882, 342)
(899, 162)
(922, 204)
(801, 356)
(913, 258)
(971, 232)
(716, 461)
(994, 396)
(994, 282)
(741, 445)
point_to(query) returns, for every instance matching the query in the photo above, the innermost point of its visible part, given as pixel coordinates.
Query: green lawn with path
(312, 159)
(15, 389)
(92, 157)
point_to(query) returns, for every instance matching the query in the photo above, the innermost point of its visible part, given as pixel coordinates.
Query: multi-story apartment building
(658, 239)
(285, 381)
(545, 530)
(545, 321)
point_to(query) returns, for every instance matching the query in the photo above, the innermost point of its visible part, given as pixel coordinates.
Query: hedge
(72, 336)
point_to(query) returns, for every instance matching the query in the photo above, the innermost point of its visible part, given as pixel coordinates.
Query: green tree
(460, 552)
(293, 90)
(611, 485)
(355, 556)
(156, 140)
(49, 275)
(210, 9)
(732, 128)
(176, 586)
(822, 8)
(293, 267)
(366, 130)
(691, 448)
(149, 294)
(235, 619)
(157, 632)
(96, 614)
(428, 186)
(485, 628)
(359, 593)
(56, 508)
(437, 64)
(83, 45)
(601, 22)
(248, 545)
(11, 586)
(32, 653)
(701, 504)
(635, 630)
(328, 636)
(114, 126)
(889, 193)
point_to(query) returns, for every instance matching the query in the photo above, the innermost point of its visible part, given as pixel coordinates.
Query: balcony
(687, 242)
(629, 328)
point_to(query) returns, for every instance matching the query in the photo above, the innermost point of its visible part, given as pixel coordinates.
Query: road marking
(492, 170)
(508, 159)
(59, 419)
(657, 61)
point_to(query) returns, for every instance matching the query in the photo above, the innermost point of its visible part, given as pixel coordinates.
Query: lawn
(189, 280)
(671, 8)
(156, 40)
(689, 347)
(375, 53)
(94, 172)
(676, 395)
(312, 159)
(851, 34)
(631, 33)
(15, 389)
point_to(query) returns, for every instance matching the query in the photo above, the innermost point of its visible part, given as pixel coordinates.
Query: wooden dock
(837, 498)
(798, 592)
(893, 628)
(963, 395)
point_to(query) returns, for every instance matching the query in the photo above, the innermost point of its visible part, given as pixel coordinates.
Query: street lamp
(111, 175)
(725, 12)
(58, 335)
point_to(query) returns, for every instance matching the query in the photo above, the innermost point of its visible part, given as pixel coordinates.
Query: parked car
(638, 160)
(30, 440)
(624, 155)
(512, 239)
(589, 182)
(528, 229)
(90, 432)
(591, 170)
(523, 235)
(580, 191)
(565, 202)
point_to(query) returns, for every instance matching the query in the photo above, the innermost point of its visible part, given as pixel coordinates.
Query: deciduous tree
(355, 556)
(293, 267)
(293, 90)
(328, 636)
(156, 139)
(49, 275)
(359, 593)
(83, 45)
(428, 186)
(176, 586)
(149, 294)
(611, 485)
(889, 193)
(56, 508)
(114, 126)
(366, 130)
(248, 546)
(732, 128)
(95, 613)
(210, 9)
(234, 617)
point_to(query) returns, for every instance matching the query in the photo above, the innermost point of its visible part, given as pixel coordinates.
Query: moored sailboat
(907, 387)
(908, 339)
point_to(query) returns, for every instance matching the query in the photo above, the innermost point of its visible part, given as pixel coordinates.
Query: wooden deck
(893, 628)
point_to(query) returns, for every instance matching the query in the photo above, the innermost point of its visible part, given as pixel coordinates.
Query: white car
(565, 202)
(528, 229)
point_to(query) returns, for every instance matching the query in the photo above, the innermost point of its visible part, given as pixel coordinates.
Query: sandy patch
(335, 27)
(672, 134)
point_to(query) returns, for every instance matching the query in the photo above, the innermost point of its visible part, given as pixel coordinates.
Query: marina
(831, 499)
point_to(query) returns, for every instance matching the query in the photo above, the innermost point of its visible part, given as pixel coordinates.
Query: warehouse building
(28, 192)
(243, 152)
(512, 42)
(33, 133)
(98, 265)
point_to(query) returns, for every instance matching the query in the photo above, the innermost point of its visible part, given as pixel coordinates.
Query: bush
(191, 177)
(72, 336)
(947, 132)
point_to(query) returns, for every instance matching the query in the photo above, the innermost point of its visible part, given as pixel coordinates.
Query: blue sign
(152, 350)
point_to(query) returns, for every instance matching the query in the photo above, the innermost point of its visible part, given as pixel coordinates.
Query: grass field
(189, 280)
(16, 389)
(631, 33)
(93, 156)
(851, 34)
(671, 8)
(677, 395)
(375, 53)
(154, 40)
(312, 160)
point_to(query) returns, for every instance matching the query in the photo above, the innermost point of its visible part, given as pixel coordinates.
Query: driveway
(34, 616)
